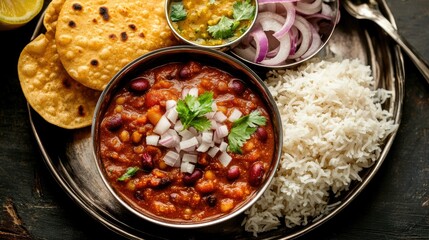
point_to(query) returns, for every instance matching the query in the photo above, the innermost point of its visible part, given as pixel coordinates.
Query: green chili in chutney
(152, 163)
(212, 22)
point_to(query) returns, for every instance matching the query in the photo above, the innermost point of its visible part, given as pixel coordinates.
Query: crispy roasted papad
(48, 88)
(97, 38)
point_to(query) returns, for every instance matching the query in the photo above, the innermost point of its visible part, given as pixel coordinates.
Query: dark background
(395, 205)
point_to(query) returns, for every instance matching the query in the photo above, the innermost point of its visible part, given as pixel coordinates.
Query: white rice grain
(333, 125)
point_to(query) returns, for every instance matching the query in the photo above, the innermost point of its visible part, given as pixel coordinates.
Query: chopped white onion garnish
(207, 136)
(220, 117)
(178, 127)
(214, 107)
(167, 141)
(169, 104)
(185, 92)
(222, 131)
(235, 114)
(203, 147)
(152, 140)
(172, 115)
(162, 126)
(193, 131)
(169, 133)
(213, 151)
(193, 92)
(186, 134)
(213, 124)
(187, 167)
(191, 142)
(192, 158)
(172, 159)
(223, 146)
(225, 159)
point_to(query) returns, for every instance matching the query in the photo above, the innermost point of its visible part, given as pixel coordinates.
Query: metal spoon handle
(416, 58)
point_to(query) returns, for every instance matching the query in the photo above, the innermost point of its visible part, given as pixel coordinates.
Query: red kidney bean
(164, 182)
(238, 86)
(262, 134)
(189, 69)
(139, 195)
(256, 174)
(114, 122)
(211, 200)
(185, 72)
(139, 84)
(233, 173)
(191, 179)
(147, 162)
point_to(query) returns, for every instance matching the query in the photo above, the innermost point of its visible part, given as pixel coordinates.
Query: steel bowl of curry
(219, 24)
(186, 137)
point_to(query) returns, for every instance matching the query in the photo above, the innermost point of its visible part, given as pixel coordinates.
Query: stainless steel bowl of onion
(288, 32)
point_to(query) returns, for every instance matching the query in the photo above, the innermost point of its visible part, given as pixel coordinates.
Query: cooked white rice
(333, 126)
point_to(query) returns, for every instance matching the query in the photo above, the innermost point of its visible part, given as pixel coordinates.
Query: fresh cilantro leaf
(243, 11)
(201, 123)
(192, 109)
(223, 29)
(131, 171)
(226, 26)
(178, 12)
(242, 129)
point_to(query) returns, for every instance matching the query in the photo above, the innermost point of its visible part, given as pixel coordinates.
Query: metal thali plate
(68, 156)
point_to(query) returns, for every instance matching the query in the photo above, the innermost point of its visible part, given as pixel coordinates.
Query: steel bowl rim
(254, 79)
(222, 47)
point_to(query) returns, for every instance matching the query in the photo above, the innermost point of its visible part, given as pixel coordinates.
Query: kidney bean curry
(186, 142)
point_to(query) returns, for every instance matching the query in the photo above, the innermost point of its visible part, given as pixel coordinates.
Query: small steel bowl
(209, 57)
(222, 47)
(325, 32)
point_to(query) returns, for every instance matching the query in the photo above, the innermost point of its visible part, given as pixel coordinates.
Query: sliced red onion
(261, 41)
(305, 30)
(288, 23)
(290, 17)
(309, 8)
(315, 43)
(275, 1)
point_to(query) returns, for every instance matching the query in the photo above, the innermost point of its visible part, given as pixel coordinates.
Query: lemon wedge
(15, 13)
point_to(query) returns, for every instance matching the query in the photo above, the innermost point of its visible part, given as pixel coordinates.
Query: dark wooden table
(395, 205)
